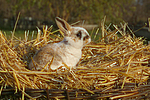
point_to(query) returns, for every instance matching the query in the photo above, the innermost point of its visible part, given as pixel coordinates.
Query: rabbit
(66, 52)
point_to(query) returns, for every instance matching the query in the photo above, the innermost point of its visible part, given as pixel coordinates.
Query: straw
(106, 68)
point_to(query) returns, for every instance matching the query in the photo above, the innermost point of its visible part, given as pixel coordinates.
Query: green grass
(19, 33)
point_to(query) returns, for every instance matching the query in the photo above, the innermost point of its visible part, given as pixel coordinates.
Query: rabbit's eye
(79, 34)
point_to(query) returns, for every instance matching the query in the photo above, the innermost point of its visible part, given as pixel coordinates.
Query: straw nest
(110, 68)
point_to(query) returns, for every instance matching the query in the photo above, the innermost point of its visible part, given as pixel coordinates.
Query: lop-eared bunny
(68, 51)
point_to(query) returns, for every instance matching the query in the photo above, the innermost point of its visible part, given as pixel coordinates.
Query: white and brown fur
(66, 52)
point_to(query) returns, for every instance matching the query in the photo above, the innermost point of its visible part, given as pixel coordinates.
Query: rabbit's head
(74, 36)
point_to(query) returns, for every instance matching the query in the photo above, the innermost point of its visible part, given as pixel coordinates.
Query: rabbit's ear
(63, 25)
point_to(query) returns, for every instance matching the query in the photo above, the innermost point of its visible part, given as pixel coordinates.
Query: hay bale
(112, 67)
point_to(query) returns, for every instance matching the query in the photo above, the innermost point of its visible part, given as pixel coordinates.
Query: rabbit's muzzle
(87, 39)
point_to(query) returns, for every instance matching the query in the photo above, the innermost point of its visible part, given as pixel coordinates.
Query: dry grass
(112, 67)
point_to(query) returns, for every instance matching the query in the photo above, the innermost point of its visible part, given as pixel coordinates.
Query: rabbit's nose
(86, 37)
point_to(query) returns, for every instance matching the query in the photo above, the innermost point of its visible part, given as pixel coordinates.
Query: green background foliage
(92, 11)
